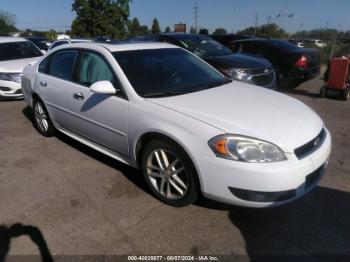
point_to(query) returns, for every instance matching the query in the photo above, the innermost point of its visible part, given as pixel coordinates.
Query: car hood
(16, 66)
(244, 109)
(240, 61)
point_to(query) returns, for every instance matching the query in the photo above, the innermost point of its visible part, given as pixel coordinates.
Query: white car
(66, 41)
(15, 54)
(190, 130)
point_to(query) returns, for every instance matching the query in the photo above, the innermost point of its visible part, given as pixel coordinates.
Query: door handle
(43, 83)
(78, 96)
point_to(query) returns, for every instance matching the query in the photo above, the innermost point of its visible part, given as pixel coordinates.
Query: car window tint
(62, 64)
(93, 68)
(18, 50)
(44, 66)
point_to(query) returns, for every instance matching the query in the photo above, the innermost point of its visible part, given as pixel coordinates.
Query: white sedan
(189, 129)
(15, 54)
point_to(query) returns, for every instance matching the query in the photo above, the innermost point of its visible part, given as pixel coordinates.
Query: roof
(124, 46)
(10, 39)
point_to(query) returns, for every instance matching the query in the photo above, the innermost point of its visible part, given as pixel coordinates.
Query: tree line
(111, 18)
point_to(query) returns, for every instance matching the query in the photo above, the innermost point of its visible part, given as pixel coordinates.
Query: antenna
(196, 16)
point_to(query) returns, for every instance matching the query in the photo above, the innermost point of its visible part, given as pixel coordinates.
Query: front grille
(4, 88)
(264, 80)
(312, 178)
(311, 146)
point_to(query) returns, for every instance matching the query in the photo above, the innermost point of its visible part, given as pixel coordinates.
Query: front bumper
(10, 90)
(272, 183)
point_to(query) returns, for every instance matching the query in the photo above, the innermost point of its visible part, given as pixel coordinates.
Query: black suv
(254, 70)
(290, 61)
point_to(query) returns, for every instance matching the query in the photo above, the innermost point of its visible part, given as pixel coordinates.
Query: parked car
(319, 43)
(15, 54)
(43, 43)
(241, 67)
(298, 43)
(68, 41)
(189, 128)
(228, 39)
(290, 62)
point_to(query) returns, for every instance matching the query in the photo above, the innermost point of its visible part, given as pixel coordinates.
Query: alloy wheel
(41, 117)
(168, 174)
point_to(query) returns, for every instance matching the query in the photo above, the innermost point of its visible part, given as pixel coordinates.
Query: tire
(41, 119)
(169, 173)
(323, 92)
(345, 94)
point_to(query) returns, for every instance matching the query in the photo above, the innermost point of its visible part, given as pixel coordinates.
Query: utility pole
(196, 16)
(256, 22)
(327, 23)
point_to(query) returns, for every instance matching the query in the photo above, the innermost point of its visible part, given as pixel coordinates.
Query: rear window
(18, 50)
(283, 45)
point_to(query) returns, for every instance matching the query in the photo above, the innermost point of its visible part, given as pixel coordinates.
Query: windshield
(18, 50)
(168, 71)
(202, 46)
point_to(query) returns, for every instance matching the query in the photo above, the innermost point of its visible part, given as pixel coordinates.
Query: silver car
(189, 129)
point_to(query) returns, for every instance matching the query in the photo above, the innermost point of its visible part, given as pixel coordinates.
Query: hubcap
(167, 174)
(40, 117)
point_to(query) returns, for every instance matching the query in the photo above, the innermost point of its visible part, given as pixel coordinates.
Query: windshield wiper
(165, 93)
(219, 83)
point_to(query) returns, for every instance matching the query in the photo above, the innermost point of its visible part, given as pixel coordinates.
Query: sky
(230, 14)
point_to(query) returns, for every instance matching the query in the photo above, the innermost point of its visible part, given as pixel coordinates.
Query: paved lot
(86, 203)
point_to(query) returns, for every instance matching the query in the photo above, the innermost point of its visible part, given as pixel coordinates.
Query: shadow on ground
(130, 173)
(17, 230)
(317, 224)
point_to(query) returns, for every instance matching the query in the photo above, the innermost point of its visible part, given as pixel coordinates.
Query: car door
(56, 86)
(102, 118)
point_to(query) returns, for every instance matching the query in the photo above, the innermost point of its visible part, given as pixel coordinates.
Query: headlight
(245, 149)
(15, 77)
(237, 74)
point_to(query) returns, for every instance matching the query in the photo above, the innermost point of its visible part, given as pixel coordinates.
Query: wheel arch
(156, 135)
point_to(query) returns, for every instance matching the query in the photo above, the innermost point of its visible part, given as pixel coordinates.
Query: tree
(51, 34)
(266, 30)
(100, 18)
(134, 28)
(167, 30)
(220, 31)
(204, 31)
(155, 27)
(7, 23)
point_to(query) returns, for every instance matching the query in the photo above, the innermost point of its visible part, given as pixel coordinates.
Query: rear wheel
(42, 121)
(169, 173)
(345, 94)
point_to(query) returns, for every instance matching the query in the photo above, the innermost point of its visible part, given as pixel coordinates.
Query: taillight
(301, 62)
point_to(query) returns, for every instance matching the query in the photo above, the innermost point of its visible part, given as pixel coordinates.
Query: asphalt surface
(78, 201)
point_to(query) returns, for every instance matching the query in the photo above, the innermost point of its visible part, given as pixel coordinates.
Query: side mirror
(103, 87)
(43, 51)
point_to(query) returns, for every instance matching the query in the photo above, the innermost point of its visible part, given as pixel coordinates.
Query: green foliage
(156, 27)
(267, 30)
(51, 34)
(220, 31)
(167, 30)
(7, 23)
(204, 31)
(100, 18)
(135, 29)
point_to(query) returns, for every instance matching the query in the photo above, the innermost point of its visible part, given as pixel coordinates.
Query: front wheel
(169, 173)
(42, 121)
